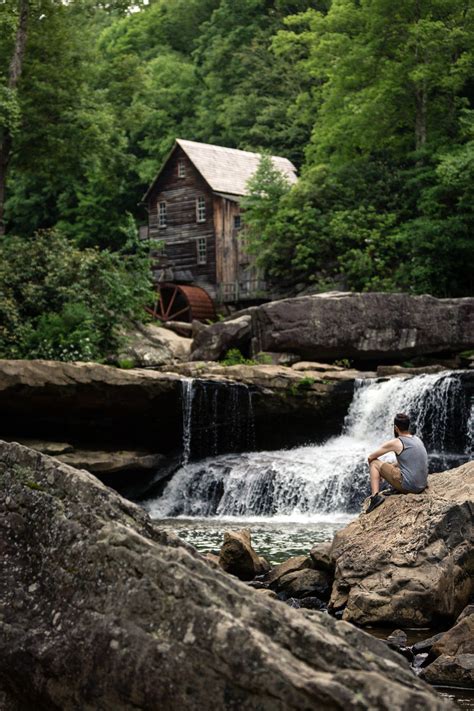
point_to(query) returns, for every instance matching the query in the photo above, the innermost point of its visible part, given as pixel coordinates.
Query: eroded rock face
(100, 610)
(410, 561)
(40, 399)
(372, 326)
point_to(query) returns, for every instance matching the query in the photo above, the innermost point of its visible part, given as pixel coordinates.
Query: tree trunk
(14, 73)
(420, 119)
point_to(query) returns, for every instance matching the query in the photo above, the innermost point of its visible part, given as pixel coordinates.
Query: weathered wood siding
(227, 244)
(182, 230)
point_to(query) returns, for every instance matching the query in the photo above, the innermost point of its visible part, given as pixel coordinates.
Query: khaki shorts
(392, 474)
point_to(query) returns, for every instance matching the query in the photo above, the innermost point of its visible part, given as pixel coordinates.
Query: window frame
(201, 254)
(162, 214)
(181, 168)
(201, 209)
(239, 219)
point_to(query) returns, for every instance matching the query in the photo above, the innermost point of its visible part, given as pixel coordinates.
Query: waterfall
(217, 418)
(329, 478)
(187, 396)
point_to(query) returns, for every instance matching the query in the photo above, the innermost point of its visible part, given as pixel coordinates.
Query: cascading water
(328, 478)
(217, 418)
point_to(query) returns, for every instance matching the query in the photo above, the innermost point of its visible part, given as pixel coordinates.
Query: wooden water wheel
(176, 302)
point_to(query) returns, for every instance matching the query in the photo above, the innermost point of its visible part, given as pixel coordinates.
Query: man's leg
(374, 469)
(391, 473)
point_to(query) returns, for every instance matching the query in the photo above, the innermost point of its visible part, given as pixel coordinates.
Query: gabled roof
(227, 170)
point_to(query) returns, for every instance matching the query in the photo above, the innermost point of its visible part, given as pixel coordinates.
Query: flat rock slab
(101, 610)
(409, 562)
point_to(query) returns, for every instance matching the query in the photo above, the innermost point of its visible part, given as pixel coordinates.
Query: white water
(315, 482)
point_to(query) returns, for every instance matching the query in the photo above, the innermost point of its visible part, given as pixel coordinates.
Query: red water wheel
(176, 302)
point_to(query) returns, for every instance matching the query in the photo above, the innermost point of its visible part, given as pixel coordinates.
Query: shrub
(64, 303)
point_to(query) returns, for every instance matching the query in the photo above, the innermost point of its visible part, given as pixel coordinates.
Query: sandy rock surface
(410, 561)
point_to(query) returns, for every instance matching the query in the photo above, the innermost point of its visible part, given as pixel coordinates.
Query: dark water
(276, 539)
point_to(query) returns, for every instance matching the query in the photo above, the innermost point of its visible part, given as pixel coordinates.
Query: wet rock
(312, 603)
(117, 614)
(451, 671)
(458, 640)
(384, 370)
(113, 461)
(299, 562)
(304, 583)
(425, 645)
(237, 556)
(453, 653)
(321, 557)
(409, 561)
(397, 639)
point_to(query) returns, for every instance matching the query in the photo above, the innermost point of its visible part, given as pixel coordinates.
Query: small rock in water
(293, 602)
(397, 639)
(312, 603)
(237, 556)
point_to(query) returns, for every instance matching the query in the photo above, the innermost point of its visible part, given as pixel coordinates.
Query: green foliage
(266, 189)
(343, 363)
(373, 101)
(126, 363)
(63, 303)
(301, 386)
(235, 357)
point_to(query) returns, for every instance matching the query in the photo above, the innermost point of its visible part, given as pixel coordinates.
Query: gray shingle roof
(227, 170)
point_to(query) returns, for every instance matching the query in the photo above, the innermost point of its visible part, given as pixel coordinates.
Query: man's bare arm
(393, 445)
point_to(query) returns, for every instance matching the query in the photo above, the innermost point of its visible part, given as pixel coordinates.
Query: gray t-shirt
(413, 463)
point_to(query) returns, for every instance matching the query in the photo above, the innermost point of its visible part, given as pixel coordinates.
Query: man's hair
(402, 421)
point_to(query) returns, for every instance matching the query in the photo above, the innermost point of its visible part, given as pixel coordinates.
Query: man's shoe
(375, 501)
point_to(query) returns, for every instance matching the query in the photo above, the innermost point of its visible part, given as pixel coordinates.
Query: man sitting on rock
(410, 474)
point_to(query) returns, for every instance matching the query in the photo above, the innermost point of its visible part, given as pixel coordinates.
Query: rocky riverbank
(409, 563)
(101, 610)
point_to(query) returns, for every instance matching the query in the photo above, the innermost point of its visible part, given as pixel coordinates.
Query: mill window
(161, 214)
(237, 222)
(201, 251)
(181, 169)
(200, 209)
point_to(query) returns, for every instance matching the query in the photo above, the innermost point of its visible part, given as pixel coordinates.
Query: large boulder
(149, 345)
(213, 342)
(372, 326)
(411, 561)
(102, 610)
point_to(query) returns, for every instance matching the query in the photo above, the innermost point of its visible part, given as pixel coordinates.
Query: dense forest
(371, 99)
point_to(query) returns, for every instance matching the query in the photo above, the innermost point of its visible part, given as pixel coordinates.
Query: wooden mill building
(194, 224)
